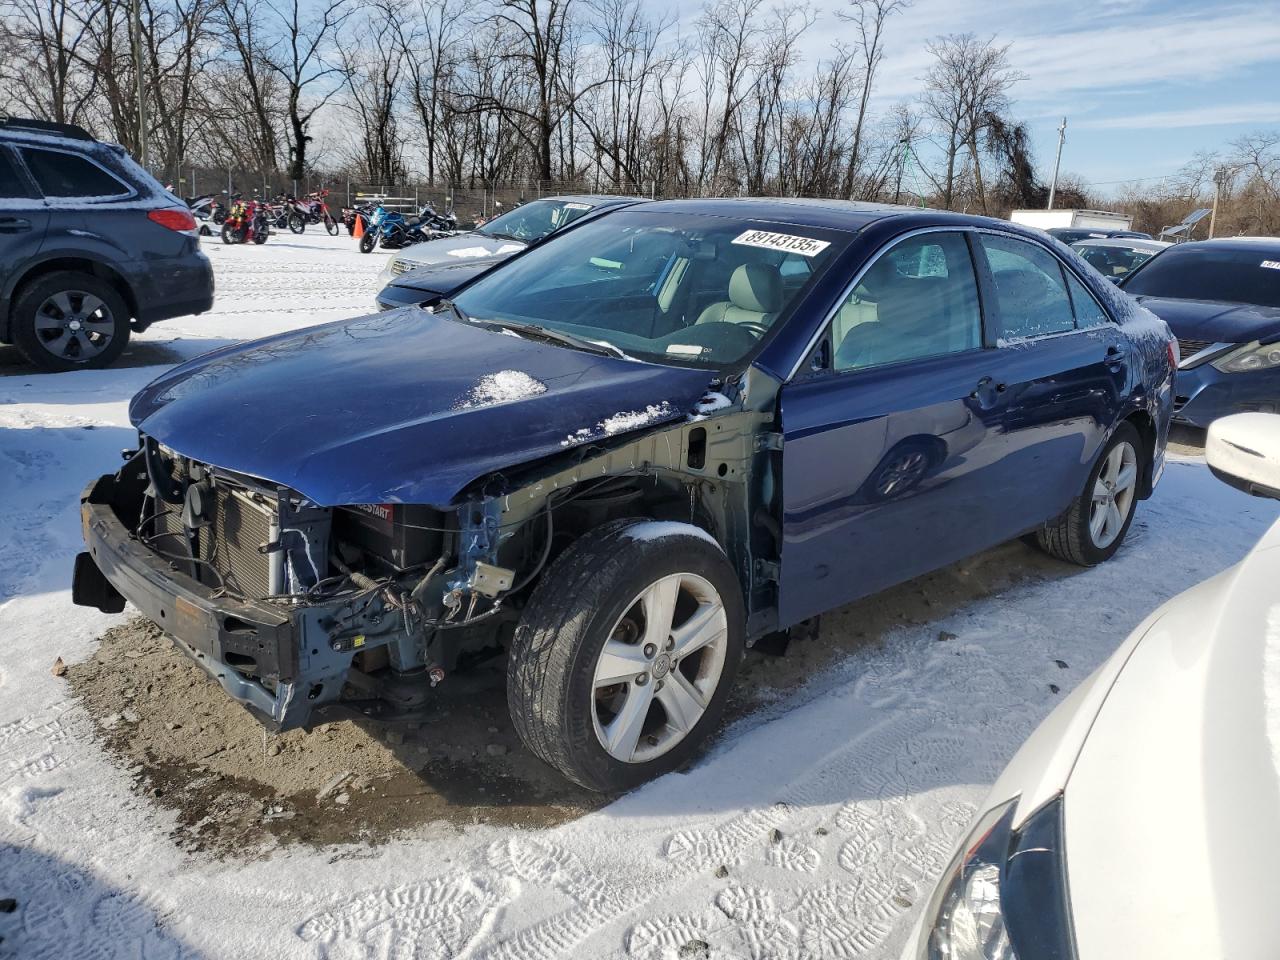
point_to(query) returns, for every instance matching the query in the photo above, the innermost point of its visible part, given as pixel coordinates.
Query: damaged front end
(290, 606)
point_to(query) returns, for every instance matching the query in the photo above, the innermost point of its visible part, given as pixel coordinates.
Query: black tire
(57, 339)
(261, 231)
(297, 223)
(587, 595)
(331, 225)
(368, 241)
(1069, 537)
(230, 234)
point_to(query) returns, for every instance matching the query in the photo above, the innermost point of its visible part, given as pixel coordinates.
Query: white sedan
(1142, 818)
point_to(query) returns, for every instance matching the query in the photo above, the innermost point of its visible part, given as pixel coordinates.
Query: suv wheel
(626, 653)
(70, 321)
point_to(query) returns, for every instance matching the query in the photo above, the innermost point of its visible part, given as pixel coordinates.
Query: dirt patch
(237, 790)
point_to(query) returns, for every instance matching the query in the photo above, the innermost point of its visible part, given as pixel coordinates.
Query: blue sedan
(1222, 300)
(623, 456)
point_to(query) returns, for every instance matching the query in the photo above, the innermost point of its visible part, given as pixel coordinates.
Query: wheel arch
(42, 268)
(1145, 424)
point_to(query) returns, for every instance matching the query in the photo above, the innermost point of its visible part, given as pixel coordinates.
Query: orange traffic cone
(358, 232)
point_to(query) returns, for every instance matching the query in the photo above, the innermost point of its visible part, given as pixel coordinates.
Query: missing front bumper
(276, 661)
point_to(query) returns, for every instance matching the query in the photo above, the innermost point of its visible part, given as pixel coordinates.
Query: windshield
(1113, 261)
(675, 288)
(1202, 272)
(534, 220)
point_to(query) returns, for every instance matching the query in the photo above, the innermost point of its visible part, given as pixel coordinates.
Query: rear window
(1203, 272)
(61, 174)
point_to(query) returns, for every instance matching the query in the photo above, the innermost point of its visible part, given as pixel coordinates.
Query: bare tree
(868, 18)
(967, 84)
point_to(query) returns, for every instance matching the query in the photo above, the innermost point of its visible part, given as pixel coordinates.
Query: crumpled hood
(1216, 321)
(464, 246)
(1172, 810)
(402, 406)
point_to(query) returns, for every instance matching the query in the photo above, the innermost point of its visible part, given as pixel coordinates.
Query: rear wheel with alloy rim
(625, 655)
(1093, 527)
(70, 321)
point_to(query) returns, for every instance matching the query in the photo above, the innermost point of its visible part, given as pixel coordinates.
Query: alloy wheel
(73, 325)
(658, 670)
(1113, 494)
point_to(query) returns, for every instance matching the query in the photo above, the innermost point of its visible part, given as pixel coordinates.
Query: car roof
(26, 128)
(1128, 242)
(849, 215)
(1237, 243)
(595, 199)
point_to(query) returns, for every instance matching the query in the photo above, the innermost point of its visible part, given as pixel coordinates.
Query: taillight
(177, 220)
(1174, 355)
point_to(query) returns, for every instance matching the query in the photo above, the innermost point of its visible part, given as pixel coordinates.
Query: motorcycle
(208, 208)
(246, 222)
(312, 210)
(385, 228)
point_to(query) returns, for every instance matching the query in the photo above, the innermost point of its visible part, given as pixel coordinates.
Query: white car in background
(1142, 818)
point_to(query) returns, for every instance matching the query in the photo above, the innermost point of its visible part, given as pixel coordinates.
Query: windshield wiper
(452, 308)
(506, 236)
(536, 332)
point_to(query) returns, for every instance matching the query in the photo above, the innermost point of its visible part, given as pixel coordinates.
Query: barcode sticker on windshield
(787, 243)
(577, 206)
(1271, 264)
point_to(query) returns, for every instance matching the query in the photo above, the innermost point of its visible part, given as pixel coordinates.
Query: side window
(12, 185)
(1088, 312)
(1029, 288)
(918, 299)
(67, 175)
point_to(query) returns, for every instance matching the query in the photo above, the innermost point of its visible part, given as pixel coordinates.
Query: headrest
(756, 287)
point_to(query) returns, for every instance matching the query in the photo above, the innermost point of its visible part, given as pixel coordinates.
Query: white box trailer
(1073, 219)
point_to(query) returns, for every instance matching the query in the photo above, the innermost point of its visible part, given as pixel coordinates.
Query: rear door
(23, 217)
(892, 460)
(1061, 365)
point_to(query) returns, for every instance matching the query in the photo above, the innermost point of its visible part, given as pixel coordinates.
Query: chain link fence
(471, 200)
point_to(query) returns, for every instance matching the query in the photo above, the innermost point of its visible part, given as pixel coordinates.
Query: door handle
(14, 225)
(1114, 359)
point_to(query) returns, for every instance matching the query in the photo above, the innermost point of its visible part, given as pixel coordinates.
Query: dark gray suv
(91, 247)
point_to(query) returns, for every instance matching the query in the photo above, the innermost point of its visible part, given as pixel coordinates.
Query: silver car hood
(1172, 808)
(464, 246)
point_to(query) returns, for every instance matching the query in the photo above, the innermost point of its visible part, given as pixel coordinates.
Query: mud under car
(624, 456)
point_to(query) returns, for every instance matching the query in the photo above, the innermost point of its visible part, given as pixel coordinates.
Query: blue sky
(1144, 84)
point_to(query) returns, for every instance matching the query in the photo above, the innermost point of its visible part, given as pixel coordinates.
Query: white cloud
(1241, 113)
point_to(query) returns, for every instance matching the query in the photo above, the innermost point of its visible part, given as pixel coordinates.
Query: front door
(891, 450)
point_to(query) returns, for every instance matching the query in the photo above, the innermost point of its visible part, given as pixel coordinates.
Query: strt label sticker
(786, 242)
(575, 205)
(1271, 264)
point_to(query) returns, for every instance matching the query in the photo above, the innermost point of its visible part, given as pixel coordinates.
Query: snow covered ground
(814, 828)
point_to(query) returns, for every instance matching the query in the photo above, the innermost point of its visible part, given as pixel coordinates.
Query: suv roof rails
(69, 130)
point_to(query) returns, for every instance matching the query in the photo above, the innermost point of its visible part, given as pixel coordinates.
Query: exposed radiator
(229, 544)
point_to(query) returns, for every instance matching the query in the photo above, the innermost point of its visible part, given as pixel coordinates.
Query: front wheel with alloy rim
(1093, 527)
(70, 321)
(626, 653)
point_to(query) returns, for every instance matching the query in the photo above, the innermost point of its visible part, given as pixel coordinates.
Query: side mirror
(1243, 450)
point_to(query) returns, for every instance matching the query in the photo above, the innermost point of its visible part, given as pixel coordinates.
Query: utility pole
(136, 17)
(1057, 162)
(905, 144)
(1219, 178)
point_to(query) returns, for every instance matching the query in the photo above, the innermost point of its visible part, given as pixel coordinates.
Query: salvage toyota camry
(624, 456)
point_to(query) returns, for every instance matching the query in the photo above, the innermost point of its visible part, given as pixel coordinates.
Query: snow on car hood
(402, 406)
(1215, 321)
(464, 246)
(1173, 807)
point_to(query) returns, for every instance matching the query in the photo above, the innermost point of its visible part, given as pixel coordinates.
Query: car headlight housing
(1250, 357)
(1004, 896)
